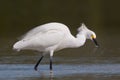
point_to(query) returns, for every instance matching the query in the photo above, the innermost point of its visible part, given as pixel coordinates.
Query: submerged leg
(51, 57)
(38, 63)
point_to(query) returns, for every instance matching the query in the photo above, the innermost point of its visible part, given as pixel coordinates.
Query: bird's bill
(95, 41)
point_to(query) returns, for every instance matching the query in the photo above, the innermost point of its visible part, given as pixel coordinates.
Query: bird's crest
(82, 27)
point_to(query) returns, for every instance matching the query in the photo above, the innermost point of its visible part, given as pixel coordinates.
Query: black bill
(94, 40)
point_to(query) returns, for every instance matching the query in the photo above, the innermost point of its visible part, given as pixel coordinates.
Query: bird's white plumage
(46, 28)
(53, 36)
(43, 38)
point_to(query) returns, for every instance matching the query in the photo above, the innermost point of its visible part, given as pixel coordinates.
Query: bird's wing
(45, 28)
(33, 32)
(50, 38)
(44, 40)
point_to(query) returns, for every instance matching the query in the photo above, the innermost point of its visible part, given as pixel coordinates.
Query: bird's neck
(77, 41)
(80, 40)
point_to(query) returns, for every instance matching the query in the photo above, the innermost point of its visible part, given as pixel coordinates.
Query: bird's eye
(93, 36)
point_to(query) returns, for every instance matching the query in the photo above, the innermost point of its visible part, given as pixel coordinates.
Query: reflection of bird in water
(52, 37)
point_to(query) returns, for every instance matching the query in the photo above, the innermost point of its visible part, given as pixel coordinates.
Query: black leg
(38, 63)
(51, 57)
(50, 62)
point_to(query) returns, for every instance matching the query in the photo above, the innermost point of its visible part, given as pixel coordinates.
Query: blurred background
(102, 16)
(17, 17)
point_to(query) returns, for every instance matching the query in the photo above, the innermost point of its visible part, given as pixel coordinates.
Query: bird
(51, 37)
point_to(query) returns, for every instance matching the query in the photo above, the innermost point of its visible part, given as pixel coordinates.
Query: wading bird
(52, 37)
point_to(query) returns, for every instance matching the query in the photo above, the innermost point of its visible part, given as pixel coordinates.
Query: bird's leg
(51, 57)
(36, 65)
(50, 62)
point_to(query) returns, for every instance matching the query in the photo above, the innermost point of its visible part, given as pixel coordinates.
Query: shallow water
(84, 68)
(26, 71)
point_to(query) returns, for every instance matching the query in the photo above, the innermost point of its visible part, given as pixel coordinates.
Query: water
(23, 71)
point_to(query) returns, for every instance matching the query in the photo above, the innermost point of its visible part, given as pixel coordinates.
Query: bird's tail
(18, 45)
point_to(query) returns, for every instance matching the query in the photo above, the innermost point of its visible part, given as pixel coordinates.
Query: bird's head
(88, 33)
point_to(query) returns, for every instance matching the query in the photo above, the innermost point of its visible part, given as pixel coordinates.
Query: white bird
(52, 37)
